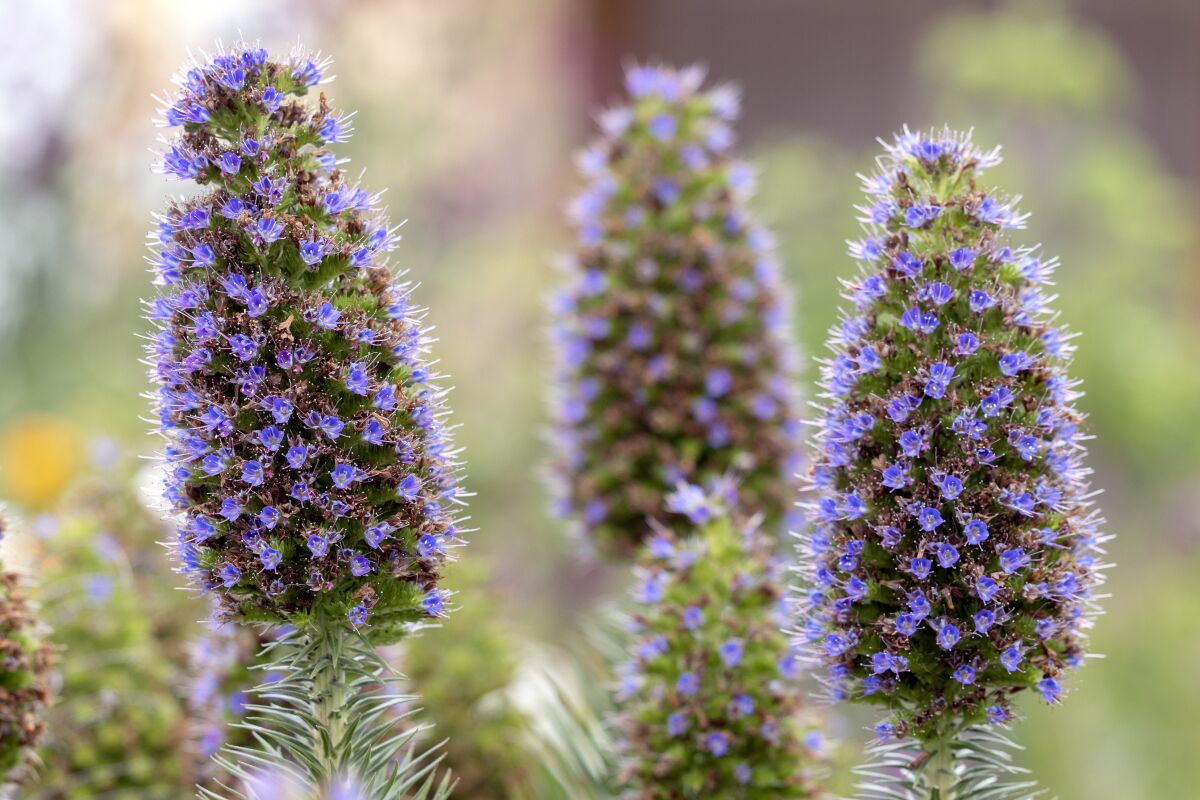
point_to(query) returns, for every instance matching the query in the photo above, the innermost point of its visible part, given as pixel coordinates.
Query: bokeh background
(468, 112)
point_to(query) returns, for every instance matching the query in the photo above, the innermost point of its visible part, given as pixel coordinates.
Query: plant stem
(939, 770)
(329, 699)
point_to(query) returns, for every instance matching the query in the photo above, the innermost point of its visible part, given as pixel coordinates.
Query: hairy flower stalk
(709, 704)
(25, 662)
(307, 453)
(672, 338)
(953, 555)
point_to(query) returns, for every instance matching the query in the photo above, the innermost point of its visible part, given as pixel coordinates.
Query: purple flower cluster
(221, 661)
(306, 452)
(671, 335)
(709, 701)
(952, 556)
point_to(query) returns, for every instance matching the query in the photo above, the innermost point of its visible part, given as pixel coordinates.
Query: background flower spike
(672, 332)
(307, 451)
(953, 556)
(709, 704)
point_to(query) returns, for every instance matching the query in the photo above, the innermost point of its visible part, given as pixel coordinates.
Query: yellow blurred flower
(39, 458)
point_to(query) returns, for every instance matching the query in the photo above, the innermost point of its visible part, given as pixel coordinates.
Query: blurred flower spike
(674, 360)
(709, 701)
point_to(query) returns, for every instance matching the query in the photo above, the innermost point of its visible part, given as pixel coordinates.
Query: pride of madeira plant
(25, 661)
(674, 355)
(676, 395)
(709, 703)
(953, 556)
(306, 450)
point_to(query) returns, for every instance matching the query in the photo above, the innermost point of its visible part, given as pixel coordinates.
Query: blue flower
(252, 473)
(687, 684)
(270, 558)
(976, 531)
(1013, 560)
(344, 475)
(947, 554)
(948, 636)
(311, 253)
(269, 229)
(731, 652)
(229, 162)
(717, 743)
(317, 545)
(929, 518)
(663, 127)
(1050, 690)
(229, 575)
(894, 477)
(328, 316)
(434, 604)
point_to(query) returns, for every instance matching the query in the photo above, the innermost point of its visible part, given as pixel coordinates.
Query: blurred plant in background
(25, 663)
(118, 728)
(221, 663)
(675, 359)
(709, 703)
(491, 745)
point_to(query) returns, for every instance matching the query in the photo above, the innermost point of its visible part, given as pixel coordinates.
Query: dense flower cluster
(952, 556)
(307, 451)
(672, 342)
(25, 662)
(709, 704)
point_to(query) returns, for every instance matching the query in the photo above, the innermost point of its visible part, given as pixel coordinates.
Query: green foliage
(463, 674)
(1018, 53)
(976, 765)
(118, 727)
(327, 710)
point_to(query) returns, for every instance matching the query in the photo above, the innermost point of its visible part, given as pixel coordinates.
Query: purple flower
(328, 316)
(252, 473)
(269, 229)
(229, 162)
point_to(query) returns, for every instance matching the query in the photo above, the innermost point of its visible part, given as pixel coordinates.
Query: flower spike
(710, 701)
(953, 556)
(672, 333)
(307, 451)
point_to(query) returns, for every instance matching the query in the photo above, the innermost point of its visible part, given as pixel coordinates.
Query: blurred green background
(468, 112)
